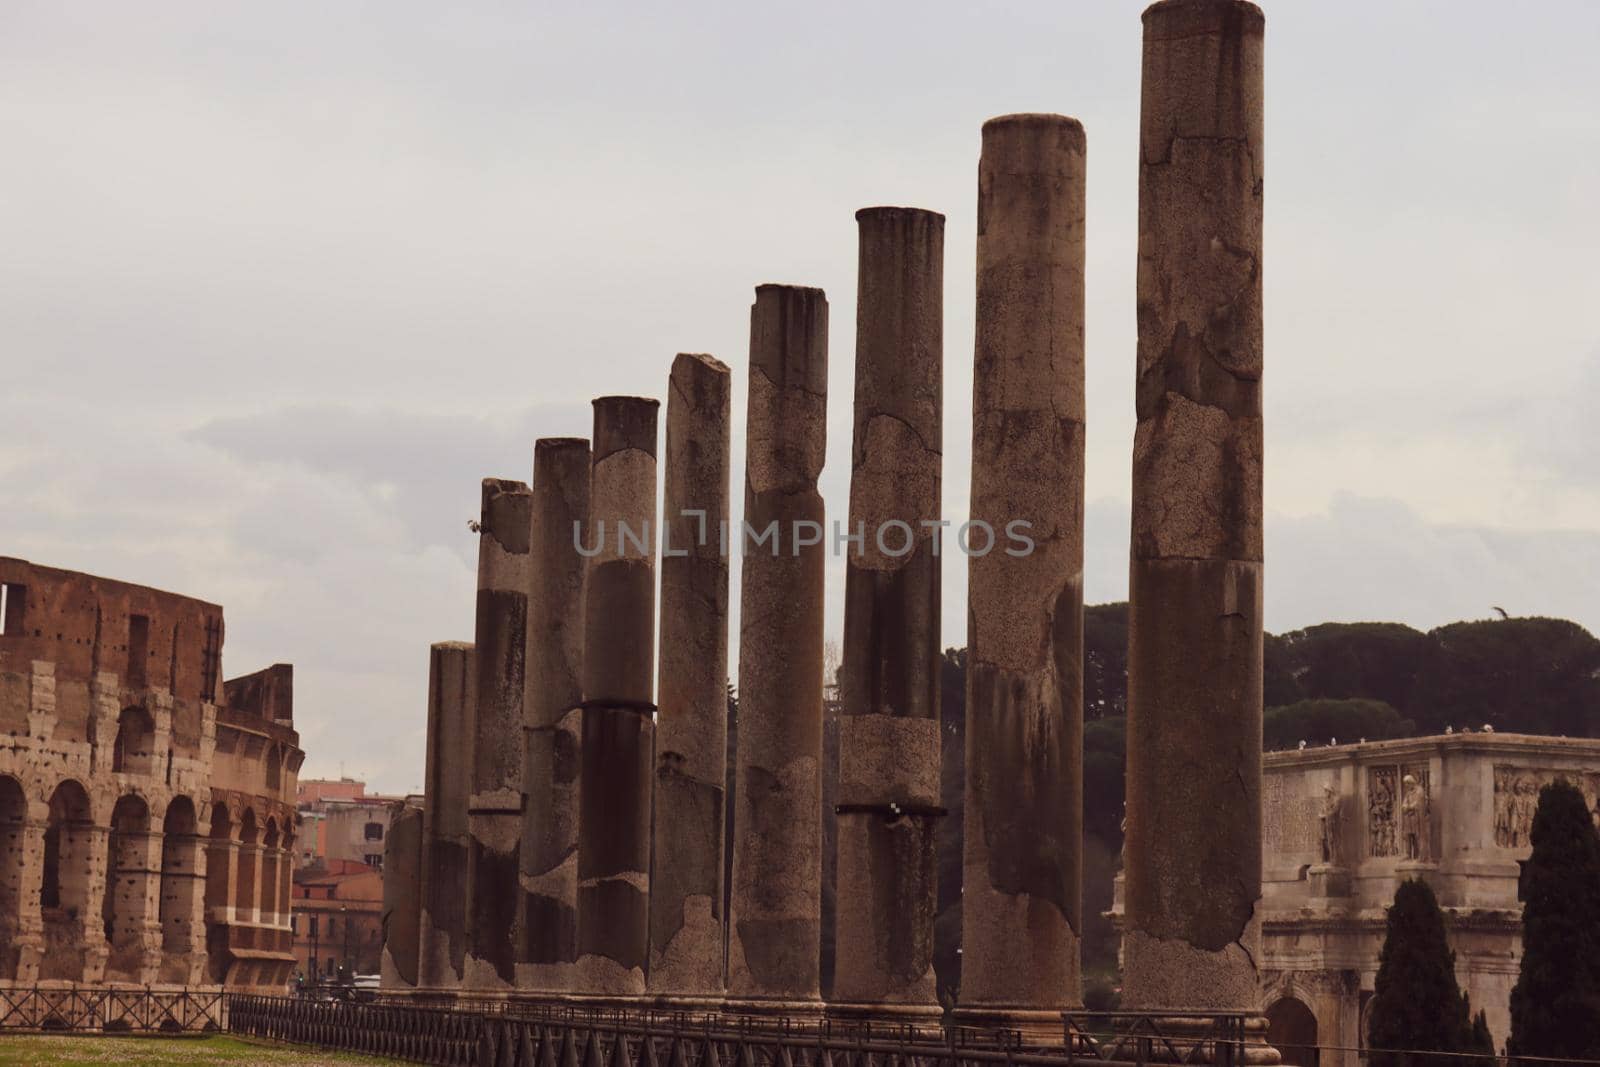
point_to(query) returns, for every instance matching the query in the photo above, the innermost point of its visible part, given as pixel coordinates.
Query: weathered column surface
(547, 920)
(495, 808)
(889, 690)
(1193, 845)
(618, 675)
(692, 696)
(775, 906)
(402, 871)
(1022, 872)
(452, 696)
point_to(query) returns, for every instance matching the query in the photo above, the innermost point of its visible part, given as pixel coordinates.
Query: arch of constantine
(1343, 825)
(146, 805)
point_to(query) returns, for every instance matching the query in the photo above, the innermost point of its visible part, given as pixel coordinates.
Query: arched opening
(269, 873)
(13, 831)
(219, 868)
(135, 751)
(125, 907)
(244, 898)
(1292, 1030)
(64, 884)
(180, 888)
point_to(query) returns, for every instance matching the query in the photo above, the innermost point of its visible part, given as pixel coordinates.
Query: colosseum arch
(269, 872)
(66, 881)
(13, 895)
(219, 869)
(245, 901)
(125, 908)
(1292, 1030)
(180, 888)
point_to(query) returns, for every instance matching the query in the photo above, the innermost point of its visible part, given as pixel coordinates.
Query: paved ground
(26, 1050)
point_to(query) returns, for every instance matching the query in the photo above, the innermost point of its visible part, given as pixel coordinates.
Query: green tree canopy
(1555, 1006)
(1105, 660)
(1534, 676)
(1376, 660)
(1318, 721)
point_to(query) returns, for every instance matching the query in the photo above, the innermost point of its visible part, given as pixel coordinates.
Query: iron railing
(111, 1009)
(513, 1034)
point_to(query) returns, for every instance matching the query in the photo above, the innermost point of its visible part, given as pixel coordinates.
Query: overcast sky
(281, 282)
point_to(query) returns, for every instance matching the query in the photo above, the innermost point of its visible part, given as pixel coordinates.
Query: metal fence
(111, 1010)
(509, 1034)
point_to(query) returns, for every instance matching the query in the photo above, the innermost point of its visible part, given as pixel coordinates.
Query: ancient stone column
(775, 905)
(889, 688)
(547, 924)
(452, 696)
(494, 816)
(1022, 872)
(1193, 845)
(402, 870)
(618, 678)
(686, 966)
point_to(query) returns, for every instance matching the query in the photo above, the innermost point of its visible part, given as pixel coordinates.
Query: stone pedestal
(547, 922)
(1329, 883)
(1193, 847)
(1022, 869)
(618, 726)
(889, 688)
(691, 765)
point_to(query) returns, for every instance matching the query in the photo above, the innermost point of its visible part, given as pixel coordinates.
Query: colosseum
(146, 805)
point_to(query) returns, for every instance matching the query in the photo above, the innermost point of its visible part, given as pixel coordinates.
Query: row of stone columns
(589, 848)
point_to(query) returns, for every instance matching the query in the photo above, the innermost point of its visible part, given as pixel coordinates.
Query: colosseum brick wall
(146, 805)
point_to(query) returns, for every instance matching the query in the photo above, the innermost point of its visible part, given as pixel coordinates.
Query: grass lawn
(49, 1050)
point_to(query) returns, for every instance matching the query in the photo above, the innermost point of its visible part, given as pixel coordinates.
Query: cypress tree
(1555, 1006)
(1417, 1006)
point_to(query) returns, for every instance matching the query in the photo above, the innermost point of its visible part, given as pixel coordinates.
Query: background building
(146, 831)
(338, 919)
(340, 822)
(1344, 825)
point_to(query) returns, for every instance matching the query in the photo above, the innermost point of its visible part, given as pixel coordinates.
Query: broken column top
(622, 422)
(1178, 17)
(1023, 144)
(795, 317)
(504, 515)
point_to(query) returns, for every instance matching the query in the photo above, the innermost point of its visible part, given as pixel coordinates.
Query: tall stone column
(618, 676)
(1193, 845)
(547, 925)
(775, 907)
(402, 856)
(452, 697)
(686, 957)
(889, 688)
(494, 813)
(1022, 872)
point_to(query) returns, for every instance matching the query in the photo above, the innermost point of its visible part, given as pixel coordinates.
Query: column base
(774, 1012)
(1193, 1036)
(1031, 1026)
(920, 1019)
(687, 1003)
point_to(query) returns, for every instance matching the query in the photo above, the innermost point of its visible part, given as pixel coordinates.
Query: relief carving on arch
(1399, 808)
(1516, 798)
